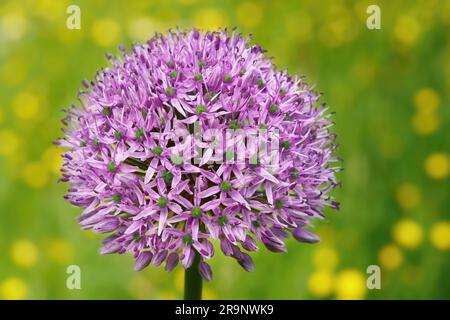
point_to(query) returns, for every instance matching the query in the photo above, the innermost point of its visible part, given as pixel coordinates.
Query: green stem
(193, 281)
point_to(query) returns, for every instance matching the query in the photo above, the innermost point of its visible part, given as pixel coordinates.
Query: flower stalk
(193, 281)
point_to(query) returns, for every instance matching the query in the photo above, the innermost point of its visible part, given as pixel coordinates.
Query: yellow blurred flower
(14, 71)
(426, 100)
(142, 28)
(437, 166)
(210, 19)
(426, 11)
(50, 9)
(332, 34)
(320, 283)
(24, 253)
(9, 142)
(407, 233)
(390, 257)
(325, 258)
(298, 26)
(60, 251)
(26, 105)
(179, 280)
(425, 123)
(140, 287)
(445, 12)
(406, 30)
(105, 32)
(208, 294)
(408, 196)
(187, 2)
(168, 295)
(350, 285)
(52, 159)
(13, 288)
(440, 235)
(35, 175)
(340, 26)
(249, 13)
(360, 9)
(13, 25)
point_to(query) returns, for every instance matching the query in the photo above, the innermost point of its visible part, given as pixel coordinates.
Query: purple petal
(175, 207)
(246, 262)
(143, 260)
(187, 257)
(162, 220)
(205, 248)
(106, 226)
(249, 244)
(304, 235)
(151, 170)
(268, 176)
(213, 229)
(183, 201)
(172, 261)
(206, 156)
(209, 192)
(190, 120)
(110, 247)
(176, 180)
(194, 226)
(211, 205)
(205, 270)
(159, 258)
(226, 247)
(177, 105)
(269, 194)
(236, 195)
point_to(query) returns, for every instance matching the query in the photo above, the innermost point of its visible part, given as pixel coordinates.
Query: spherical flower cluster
(138, 182)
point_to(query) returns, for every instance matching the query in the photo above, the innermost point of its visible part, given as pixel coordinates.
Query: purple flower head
(196, 137)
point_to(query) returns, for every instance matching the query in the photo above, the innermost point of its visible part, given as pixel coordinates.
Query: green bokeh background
(389, 87)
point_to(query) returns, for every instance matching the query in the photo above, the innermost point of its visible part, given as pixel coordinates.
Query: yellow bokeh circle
(408, 196)
(249, 20)
(105, 32)
(325, 258)
(35, 175)
(24, 253)
(320, 283)
(210, 19)
(426, 100)
(26, 105)
(13, 288)
(407, 233)
(407, 30)
(425, 123)
(9, 142)
(52, 159)
(350, 285)
(440, 235)
(437, 166)
(390, 257)
(60, 251)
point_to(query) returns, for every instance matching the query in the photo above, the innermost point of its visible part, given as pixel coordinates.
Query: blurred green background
(389, 87)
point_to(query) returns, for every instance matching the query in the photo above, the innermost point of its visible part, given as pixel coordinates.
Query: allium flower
(132, 144)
